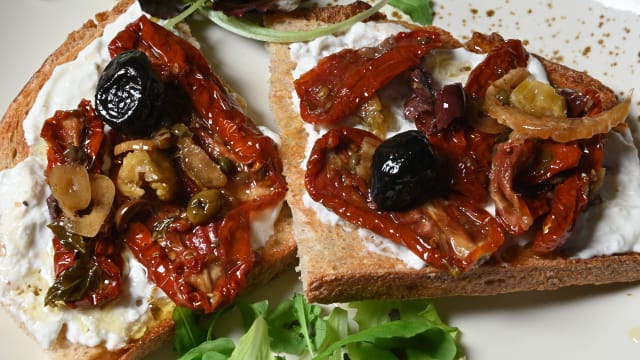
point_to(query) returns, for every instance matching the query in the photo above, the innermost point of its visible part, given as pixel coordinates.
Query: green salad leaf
(376, 330)
(193, 7)
(189, 333)
(218, 349)
(252, 30)
(255, 343)
(285, 330)
(308, 316)
(420, 11)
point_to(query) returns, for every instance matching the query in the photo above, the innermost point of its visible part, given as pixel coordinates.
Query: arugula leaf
(255, 343)
(373, 312)
(164, 9)
(431, 344)
(218, 349)
(308, 316)
(250, 312)
(402, 329)
(189, 333)
(420, 11)
(337, 325)
(438, 342)
(193, 7)
(252, 30)
(284, 330)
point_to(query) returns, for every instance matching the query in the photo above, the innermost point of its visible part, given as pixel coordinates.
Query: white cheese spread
(26, 254)
(26, 265)
(603, 229)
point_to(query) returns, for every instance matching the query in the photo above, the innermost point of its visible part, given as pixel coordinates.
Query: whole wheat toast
(336, 264)
(277, 255)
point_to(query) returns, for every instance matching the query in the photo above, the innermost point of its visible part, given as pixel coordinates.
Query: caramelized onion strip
(160, 140)
(560, 129)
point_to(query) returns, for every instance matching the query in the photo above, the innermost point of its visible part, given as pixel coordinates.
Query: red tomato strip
(79, 128)
(466, 154)
(550, 159)
(505, 56)
(569, 198)
(342, 82)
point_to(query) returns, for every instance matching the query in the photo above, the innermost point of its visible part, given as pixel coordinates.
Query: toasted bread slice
(277, 255)
(337, 265)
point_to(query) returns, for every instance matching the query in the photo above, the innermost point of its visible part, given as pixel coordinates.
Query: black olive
(403, 171)
(129, 95)
(449, 104)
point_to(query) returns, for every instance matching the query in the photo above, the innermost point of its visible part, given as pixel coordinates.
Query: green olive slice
(204, 206)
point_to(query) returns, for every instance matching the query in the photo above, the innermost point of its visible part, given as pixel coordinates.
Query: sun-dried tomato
(342, 82)
(549, 159)
(446, 232)
(74, 135)
(569, 198)
(505, 56)
(467, 159)
(533, 179)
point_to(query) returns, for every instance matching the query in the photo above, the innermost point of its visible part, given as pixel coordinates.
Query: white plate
(582, 323)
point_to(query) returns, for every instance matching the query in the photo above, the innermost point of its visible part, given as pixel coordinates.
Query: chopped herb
(73, 283)
(70, 241)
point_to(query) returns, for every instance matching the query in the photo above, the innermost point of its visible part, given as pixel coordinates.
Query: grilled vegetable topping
(538, 99)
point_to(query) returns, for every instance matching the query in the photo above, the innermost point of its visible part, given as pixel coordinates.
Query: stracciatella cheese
(26, 271)
(603, 229)
(610, 226)
(26, 254)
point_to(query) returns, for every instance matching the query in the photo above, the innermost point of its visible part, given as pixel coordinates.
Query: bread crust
(279, 253)
(335, 264)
